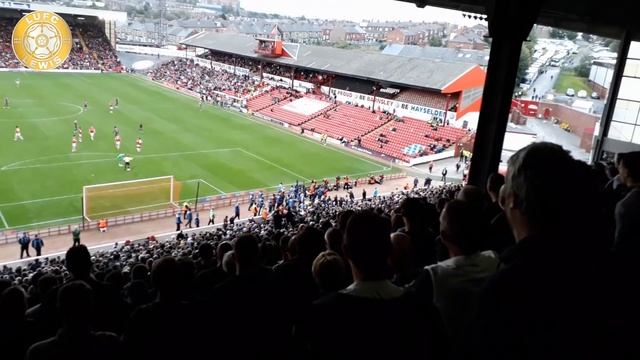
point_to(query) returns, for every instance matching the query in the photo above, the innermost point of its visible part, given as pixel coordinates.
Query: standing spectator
(14, 333)
(456, 282)
(541, 303)
(165, 321)
(427, 182)
(236, 214)
(372, 308)
(37, 244)
(627, 212)
(197, 220)
(415, 182)
(364, 194)
(188, 217)
(329, 272)
(419, 223)
(75, 234)
(75, 340)
(178, 221)
(444, 175)
(494, 183)
(24, 242)
(212, 216)
(457, 167)
(430, 167)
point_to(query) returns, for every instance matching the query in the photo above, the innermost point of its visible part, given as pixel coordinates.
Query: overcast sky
(356, 10)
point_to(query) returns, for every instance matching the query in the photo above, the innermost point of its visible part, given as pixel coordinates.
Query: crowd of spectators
(99, 54)
(255, 66)
(185, 74)
(536, 266)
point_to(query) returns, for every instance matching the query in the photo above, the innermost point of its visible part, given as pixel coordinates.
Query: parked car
(595, 95)
(582, 94)
(570, 92)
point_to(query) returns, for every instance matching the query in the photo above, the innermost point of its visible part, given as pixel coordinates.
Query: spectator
(456, 282)
(372, 308)
(250, 304)
(165, 321)
(627, 214)
(329, 272)
(418, 223)
(13, 332)
(402, 260)
(494, 183)
(541, 303)
(75, 340)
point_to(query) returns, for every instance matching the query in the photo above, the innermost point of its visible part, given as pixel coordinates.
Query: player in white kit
(18, 135)
(117, 140)
(92, 132)
(74, 144)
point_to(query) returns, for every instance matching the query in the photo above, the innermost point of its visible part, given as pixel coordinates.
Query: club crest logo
(42, 40)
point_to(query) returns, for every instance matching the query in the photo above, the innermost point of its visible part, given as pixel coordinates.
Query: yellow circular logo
(42, 40)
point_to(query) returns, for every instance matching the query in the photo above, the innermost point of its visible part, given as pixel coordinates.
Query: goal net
(129, 197)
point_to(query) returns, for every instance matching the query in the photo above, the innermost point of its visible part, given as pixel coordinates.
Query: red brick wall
(582, 124)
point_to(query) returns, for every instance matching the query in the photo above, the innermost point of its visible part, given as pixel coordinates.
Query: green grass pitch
(41, 180)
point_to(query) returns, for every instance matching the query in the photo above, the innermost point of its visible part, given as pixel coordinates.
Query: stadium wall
(472, 80)
(396, 107)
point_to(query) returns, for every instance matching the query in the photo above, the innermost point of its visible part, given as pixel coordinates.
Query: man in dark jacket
(541, 304)
(24, 242)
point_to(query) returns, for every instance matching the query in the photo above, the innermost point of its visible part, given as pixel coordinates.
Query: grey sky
(356, 10)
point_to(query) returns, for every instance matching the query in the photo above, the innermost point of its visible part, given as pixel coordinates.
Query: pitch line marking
(213, 187)
(273, 164)
(4, 221)
(245, 116)
(13, 167)
(62, 117)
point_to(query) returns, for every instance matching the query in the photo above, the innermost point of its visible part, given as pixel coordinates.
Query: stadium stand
(346, 121)
(279, 112)
(266, 99)
(185, 74)
(270, 288)
(91, 50)
(424, 98)
(393, 138)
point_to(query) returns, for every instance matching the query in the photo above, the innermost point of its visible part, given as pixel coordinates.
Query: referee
(127, 162)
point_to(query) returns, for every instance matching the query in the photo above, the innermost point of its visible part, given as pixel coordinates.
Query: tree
(523, 64)
(435, 41)
(584, 68)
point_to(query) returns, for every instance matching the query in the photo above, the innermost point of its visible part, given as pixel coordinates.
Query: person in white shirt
(18, 135)
(457, 282)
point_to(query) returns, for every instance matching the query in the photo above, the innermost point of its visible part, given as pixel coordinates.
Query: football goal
(129, 197)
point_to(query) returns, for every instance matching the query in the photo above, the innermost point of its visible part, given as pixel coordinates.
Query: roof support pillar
(510, 23)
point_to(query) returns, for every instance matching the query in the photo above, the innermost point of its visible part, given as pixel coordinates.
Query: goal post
(129, 197)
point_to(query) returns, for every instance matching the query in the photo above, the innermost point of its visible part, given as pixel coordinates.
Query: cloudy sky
(356, 10)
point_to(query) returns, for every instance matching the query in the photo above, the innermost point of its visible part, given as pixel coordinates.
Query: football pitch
(41, 180)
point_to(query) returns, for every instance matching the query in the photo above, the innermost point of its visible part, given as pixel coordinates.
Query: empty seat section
(346, 121)
(409, 132)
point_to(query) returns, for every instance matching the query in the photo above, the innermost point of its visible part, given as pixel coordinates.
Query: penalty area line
(213, 187)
